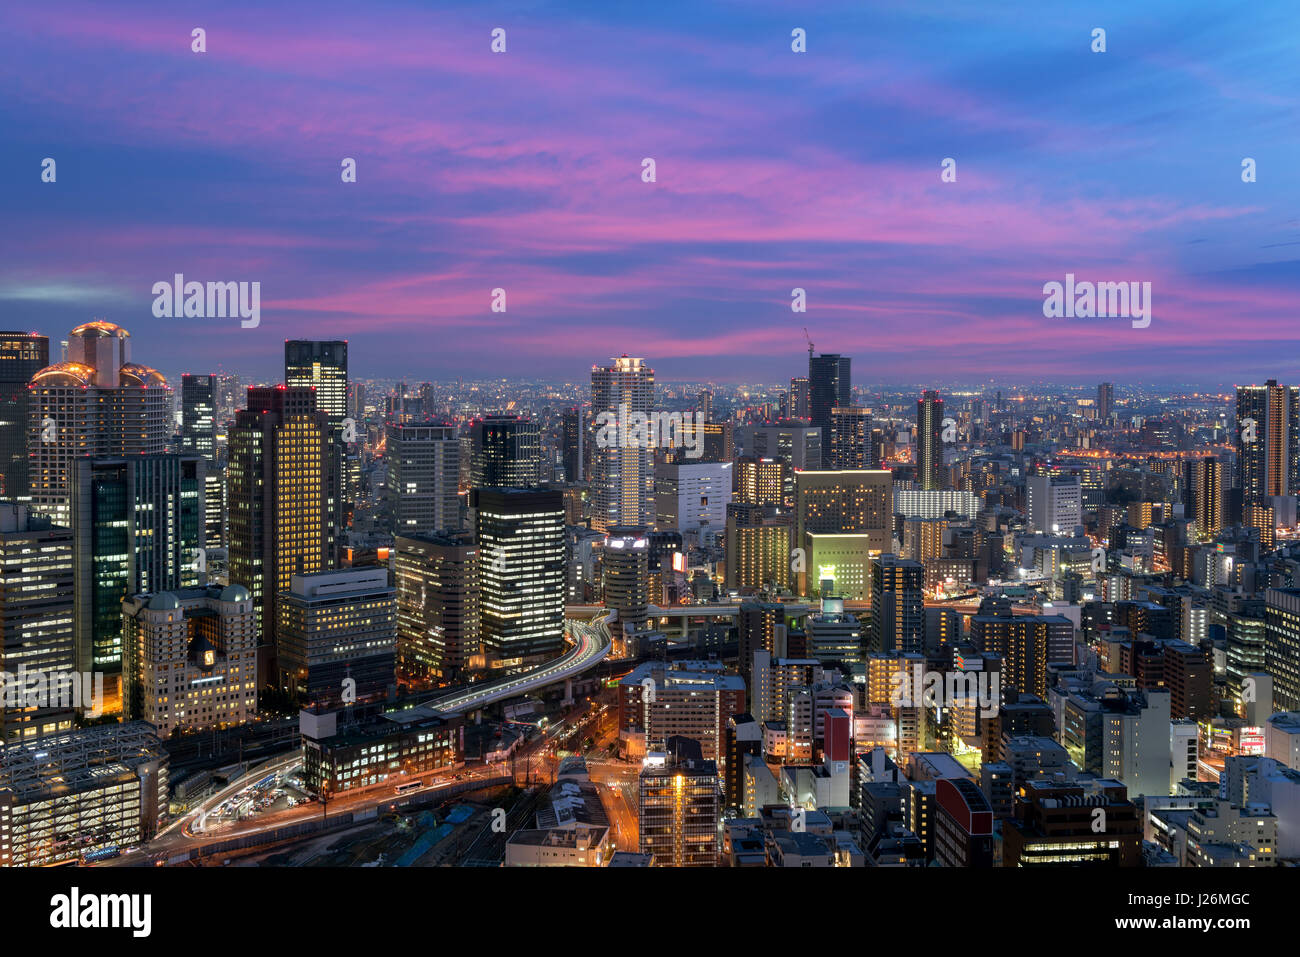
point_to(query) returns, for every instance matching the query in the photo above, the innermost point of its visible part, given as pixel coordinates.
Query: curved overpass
(591, 645)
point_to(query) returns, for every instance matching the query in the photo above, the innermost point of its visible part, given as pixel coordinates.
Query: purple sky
(775, 169)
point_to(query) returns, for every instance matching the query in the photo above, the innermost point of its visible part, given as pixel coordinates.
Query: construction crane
(810, 342)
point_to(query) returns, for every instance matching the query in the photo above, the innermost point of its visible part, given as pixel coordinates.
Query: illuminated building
(1054, 503)
(897, 607)
(680, 807)
(935, 503)
(761, 481)
(22, 355)
(797, 402)
(850, 446)
(336, 627)
(1268, 440)
(622, 475)
(923, 538)
(398, 745)
(1105, 401)
(963, 824)
(323, 367)
(138, 527)
(691, 699)
(836, 505)
(625, 562)
(1054, 825)
(190, 658)
(423, 477)
(796, 445)
(98, 404)
(830, 384)
(520, 536)
(279, 481)
(758, 550)
(199, 436)
(692, 495)
(437, 606)
(507, 452)
(66, 796)
(1203, 495)
(36, 601)
(929, 441)
(1282, 645)
(1027, 644)
(834, 635)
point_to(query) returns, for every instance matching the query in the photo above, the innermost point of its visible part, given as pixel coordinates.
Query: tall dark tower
(829, 385)
(1105, 401)
(929, 440)
(323, 366)
(22, 355)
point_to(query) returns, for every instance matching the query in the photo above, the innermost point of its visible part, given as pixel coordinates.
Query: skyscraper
(929, 440)
(279, 478)
(897, 609)
(520, 535)
(1268, 440)
(623, 476)
(97, 403)
(573, 441)
(35, 614)
(507, 452)
(138, 527)
(437, 606)
(627, 579)
(1203, 495)
(830, 384)
(323, 366)
(797, 404)
(199, 435)
(850, 438)
(1105, 401)
(22, 355)
(423, 476)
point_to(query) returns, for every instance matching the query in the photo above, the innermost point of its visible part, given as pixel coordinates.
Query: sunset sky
(775, 170)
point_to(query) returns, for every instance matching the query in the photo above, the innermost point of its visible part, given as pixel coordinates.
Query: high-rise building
(1282, 645)
(199, 435)
(36, 617)
(190, 658)
(797, 405)
(1203, 495)
(323, 367)
(520, 536)
(22, 355)
(897, 606)
(796, 445)
(626, 565)
(1054, 503)
(850, 446)
(423, 477)
(97, 403)
(762, 481)
(1027, 645)
(692, 495)
(573, 441)
(279, 479)
(622, 473)
(842, 518)
(335, 627)
(437, 606)
(507, 452)
(1105, 401)
(830, 384)
(929, 441)
(680, 806)
(1268, 440)
(138, 529)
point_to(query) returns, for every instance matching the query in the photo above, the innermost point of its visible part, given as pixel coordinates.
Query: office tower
(923, 538)
(36, 616)
(1203, 495)
(1055, 824)
(278, 482)
(507, 452)
(850, 446)
(1054, 503)
(689, 698)
(797, 404)
(437, 606)
(97, 403)
(423, 477)
(1282, 645)
(829, 385)
(323, 367)
(760, 626)
(573, 440)
(795, 445)
(1105, 401)
(1268, 440)
(357, 400)
(1027, 644)
(189, 660)
(834, 635)
(199, 436)
(929, 441)
(762, 481)
(704, 404)
(692, 495)
(842, 518)
(625, 562)
(897, 608)
(334, 626)
(22, 355)
(520, 536)
(758, 549)
(622, 474)
(66, 796)
(680, 806)
(138, 529)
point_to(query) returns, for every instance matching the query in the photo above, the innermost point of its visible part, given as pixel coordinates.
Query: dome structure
(164, 601)
(141, 376)
(69, 374)
(235, 593)
(99, 329)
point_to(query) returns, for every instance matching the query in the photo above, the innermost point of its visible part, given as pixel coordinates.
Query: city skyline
(775, 170)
